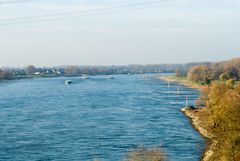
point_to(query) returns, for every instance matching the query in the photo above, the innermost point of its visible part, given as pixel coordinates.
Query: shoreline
(197, 117)
(32, 77)
(197, 121)
(182, 82)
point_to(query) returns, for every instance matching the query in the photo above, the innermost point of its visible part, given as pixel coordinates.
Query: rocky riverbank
(198, 117)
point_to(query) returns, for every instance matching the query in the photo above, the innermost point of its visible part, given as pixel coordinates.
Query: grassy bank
(181, 80)
(221, 145)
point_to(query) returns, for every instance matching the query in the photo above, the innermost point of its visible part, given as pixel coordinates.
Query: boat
(68, 81)
(85, 77)
(110, 77)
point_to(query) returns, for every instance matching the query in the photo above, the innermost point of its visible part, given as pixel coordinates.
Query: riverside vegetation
(218, 115)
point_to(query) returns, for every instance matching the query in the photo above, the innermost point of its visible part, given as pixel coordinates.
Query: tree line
(198, 71)
(204, 73)
(70, 70)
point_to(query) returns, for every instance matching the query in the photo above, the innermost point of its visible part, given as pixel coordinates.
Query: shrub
(143, 154)
(230, 83)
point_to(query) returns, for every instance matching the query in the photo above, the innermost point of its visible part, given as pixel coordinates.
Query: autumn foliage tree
(224, 102)
(199, 73)
(214, 71)
(224, 106)
(226, 70)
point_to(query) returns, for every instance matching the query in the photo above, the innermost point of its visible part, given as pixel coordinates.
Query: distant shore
(33, 76)
(198, 117)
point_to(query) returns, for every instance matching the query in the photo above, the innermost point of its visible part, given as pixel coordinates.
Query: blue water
(98, 118)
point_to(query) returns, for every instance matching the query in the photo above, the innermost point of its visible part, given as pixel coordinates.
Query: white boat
(85, 77)
(68, 81)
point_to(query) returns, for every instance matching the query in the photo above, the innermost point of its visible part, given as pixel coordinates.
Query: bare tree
(71, 70)
(30, 70)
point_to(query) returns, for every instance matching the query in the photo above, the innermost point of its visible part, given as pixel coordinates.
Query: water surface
(44, 119)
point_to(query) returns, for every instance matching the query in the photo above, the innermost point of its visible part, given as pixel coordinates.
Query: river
(44, 119)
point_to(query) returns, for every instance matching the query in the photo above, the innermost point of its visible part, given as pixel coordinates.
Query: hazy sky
(138, 32)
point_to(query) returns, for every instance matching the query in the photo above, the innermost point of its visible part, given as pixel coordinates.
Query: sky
(117, 32)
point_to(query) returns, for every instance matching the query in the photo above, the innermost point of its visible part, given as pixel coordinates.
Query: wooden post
(186, 101)
(178, 91)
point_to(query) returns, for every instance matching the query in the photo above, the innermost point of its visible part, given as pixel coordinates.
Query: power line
(57, 18)
(15, 1)
(80, 12)
(83, 13)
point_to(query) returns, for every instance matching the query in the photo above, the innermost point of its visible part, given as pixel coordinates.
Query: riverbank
(38, 76)
(199, 119)
(181, 80)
